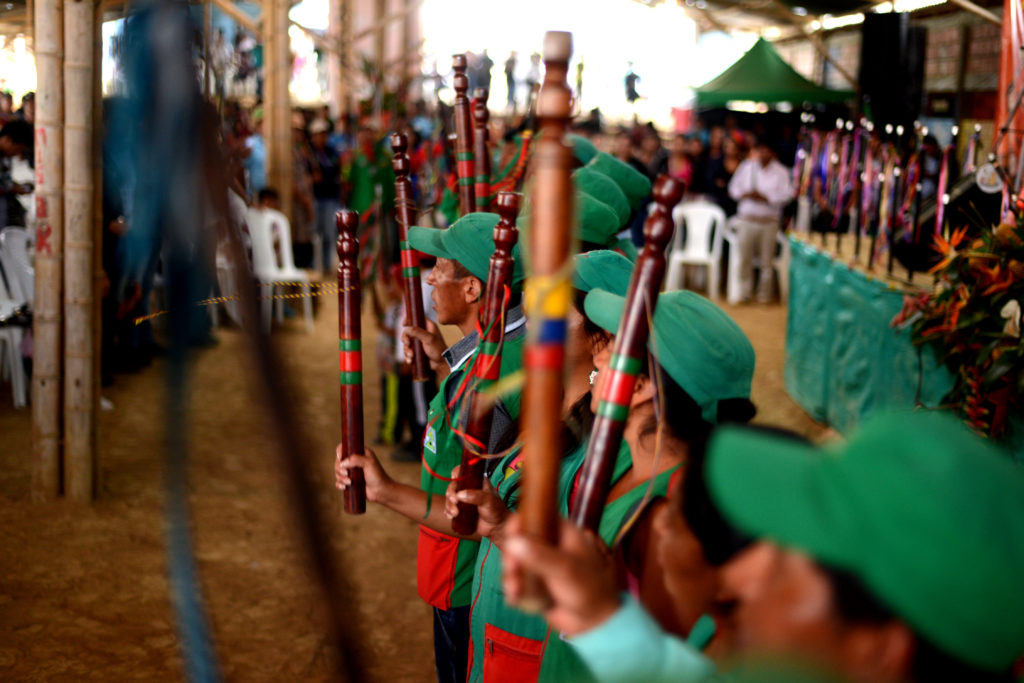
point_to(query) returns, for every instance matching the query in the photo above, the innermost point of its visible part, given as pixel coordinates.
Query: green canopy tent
(761, 75)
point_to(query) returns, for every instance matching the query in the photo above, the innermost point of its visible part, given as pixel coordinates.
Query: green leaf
(1006, 362)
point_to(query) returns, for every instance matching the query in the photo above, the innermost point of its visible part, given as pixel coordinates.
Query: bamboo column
(79, 297)
(335, 60)
(277, 100)
(49, 274)
(97, 224)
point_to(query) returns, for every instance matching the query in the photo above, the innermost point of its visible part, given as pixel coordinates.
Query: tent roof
(761, 75)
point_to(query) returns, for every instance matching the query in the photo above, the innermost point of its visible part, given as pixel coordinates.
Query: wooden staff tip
(399, 143)
(481, 95)
(459, 63)
(668, 191)
(557, 46)
(507, 205)
(347, 222)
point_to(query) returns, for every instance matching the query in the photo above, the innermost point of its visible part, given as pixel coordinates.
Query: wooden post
(335, 60)
(49, 272)
(278, 101)
(97, 232)
(79, 297)
(549, 295)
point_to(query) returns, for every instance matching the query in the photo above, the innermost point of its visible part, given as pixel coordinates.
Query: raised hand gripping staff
(628, 358)
(488, 359)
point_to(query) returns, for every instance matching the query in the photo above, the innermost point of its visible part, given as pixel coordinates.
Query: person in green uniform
(711, 383)
(503, 638)
(894, 556)
(444, 561)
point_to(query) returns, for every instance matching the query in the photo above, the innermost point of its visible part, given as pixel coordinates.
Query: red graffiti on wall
(43, 233)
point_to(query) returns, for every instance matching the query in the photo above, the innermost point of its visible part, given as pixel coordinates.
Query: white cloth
(755, 238)
(771, 181)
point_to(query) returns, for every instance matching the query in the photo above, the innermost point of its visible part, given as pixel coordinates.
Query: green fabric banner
(843, 360)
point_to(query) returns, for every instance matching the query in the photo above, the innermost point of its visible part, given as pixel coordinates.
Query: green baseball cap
(632, 182)
(697, 344)
(595, 221)
(927, 515)
(601, 187)
(582, 148)
(469, 240)
(602, 269)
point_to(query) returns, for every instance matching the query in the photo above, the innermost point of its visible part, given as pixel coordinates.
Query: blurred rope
(181, 200)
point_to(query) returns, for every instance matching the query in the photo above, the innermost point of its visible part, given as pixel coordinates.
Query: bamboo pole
(97, 232)
(46, 326)
(79, 297)
(241, 18)
(277, 102)
(335, 82)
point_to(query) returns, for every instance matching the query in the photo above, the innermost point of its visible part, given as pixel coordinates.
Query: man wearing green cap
(445, 562)
(895, 556)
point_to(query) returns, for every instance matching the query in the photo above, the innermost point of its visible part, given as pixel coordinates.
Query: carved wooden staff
(463, 137)
(350, 355)
(549, 295)
(412, 287)
(488, 360)
(482, 156)
(629, 355)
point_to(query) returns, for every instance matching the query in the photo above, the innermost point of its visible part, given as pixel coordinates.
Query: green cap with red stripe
(698, 345)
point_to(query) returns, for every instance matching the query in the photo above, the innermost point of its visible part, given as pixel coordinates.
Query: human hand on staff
(378, 483)
(433, 344)
(579, 574)
(491, 511)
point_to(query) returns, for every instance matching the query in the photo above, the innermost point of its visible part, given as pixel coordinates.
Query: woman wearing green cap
(502, 637)
(626, 523)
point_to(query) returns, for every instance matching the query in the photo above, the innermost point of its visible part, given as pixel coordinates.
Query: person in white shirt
(761, 186)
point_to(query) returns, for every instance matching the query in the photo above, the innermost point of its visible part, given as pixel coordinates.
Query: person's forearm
(411, 502)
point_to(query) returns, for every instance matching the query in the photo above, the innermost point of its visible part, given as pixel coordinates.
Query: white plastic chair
(703, 224)
(262, 223)
(14, 250)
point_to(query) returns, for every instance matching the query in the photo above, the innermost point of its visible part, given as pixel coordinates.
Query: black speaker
(892, 54)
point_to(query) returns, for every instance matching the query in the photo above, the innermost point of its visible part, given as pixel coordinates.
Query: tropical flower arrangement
(972, 318)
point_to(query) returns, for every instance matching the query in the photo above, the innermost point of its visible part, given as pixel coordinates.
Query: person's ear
(473, 289)
(880, 652)
(643, 390)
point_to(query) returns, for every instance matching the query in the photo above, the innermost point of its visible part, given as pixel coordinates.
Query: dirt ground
(83, 589)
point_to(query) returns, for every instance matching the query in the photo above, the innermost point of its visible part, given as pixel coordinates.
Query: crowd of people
(719, 542)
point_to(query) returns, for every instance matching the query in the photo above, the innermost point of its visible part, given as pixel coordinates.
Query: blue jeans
(451, 644)
(327, 228)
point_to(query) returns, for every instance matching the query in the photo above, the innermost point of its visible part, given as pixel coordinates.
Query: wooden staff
(628, 358)
(482, 157)
(463, 137)
(488, 360)
(548, 298)
(412, 286)
(350, 355)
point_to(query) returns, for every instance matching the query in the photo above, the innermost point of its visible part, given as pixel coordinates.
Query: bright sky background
(607, 34)
(661, 42)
